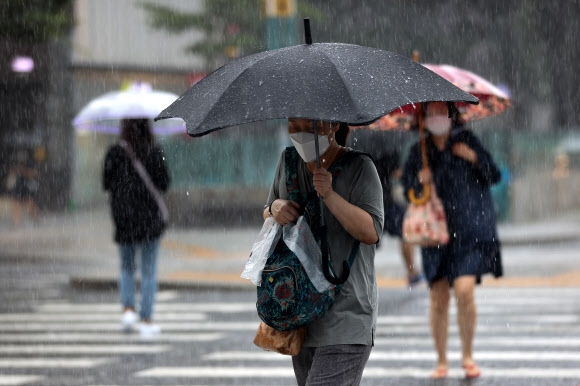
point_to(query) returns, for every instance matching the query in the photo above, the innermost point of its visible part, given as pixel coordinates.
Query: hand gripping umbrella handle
(421, 199)
(323, 236)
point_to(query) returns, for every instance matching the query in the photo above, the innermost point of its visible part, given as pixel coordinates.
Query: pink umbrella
(492, 100)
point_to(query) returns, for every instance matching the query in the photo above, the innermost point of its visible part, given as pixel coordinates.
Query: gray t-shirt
(352, 317)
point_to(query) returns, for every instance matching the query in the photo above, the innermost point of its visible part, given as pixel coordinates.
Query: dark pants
(339, 365)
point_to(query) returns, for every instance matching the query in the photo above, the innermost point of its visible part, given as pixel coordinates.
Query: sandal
(440, 372)
(472, 371)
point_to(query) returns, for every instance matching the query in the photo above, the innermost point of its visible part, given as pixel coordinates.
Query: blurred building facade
(225, 175)
(214, 179)
(35, 97)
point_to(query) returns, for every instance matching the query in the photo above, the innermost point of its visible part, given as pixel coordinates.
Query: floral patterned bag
(425, 224)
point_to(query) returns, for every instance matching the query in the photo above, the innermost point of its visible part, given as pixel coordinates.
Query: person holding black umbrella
(462, 171)
(337, 345)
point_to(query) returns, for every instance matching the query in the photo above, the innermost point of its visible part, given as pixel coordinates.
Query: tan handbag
(425, 223)
(283, 342)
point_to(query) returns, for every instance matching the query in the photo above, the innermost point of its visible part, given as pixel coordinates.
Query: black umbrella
(323, 81)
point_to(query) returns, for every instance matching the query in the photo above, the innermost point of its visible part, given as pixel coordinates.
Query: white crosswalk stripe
(110, 337)
(52, 362)
(369, 372)
(62, 335)
(14, 380)
(160, 308)
(535, 338)
(521, 334)
(426, 355)
(88, 349)
(90, 317)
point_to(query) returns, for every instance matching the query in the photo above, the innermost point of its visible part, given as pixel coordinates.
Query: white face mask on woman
(438, 125)
(306, 146)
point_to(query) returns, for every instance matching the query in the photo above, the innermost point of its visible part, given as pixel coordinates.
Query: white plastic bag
(300, 240)
(261, 250)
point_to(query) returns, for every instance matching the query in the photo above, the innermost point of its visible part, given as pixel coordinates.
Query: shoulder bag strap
(140, 169)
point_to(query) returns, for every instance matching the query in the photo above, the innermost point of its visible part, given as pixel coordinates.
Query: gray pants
(339, 365)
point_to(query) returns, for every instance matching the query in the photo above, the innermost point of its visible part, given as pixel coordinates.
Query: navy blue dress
(464, 189)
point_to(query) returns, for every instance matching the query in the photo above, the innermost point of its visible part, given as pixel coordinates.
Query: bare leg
(439, 318)
(464, 288)
(407, 251)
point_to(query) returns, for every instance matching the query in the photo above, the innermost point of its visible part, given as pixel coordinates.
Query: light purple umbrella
(104, 113)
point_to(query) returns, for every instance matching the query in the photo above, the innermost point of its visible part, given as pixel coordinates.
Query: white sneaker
(149, 329)
(128, 321)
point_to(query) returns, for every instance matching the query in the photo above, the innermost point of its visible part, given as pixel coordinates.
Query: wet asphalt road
(52, 334)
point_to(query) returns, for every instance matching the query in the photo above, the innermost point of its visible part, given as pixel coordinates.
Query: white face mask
(438, 125)
(306, 146)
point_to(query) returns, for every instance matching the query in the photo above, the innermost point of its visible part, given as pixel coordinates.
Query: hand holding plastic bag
(299, 239)
(261, 250)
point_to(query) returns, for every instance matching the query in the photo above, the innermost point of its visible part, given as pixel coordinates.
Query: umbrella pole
(318, 166)
(323, 234)
(424, 161)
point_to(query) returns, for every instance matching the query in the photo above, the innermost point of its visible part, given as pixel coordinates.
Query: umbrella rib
(352, 102)
(264, 55)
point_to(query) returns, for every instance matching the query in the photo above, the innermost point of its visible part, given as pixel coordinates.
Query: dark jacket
(386, 166)
(462, 187)
(135, 213)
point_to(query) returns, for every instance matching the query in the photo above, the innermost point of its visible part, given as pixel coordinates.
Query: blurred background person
(388, 167)
(137, 216)
(462, 171)
(22, 184)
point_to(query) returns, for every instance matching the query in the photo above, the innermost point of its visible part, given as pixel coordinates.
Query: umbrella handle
(323, 236)
(307, 33)
(422, 199)
(325, 262)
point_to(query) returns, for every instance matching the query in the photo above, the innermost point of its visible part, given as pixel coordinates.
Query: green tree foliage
(232, 28)
(34, 21)
(226, 25)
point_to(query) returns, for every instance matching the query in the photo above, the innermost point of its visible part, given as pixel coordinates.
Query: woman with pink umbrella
(463, 171)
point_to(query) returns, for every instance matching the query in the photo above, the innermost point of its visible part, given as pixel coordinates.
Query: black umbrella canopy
(326, 81)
